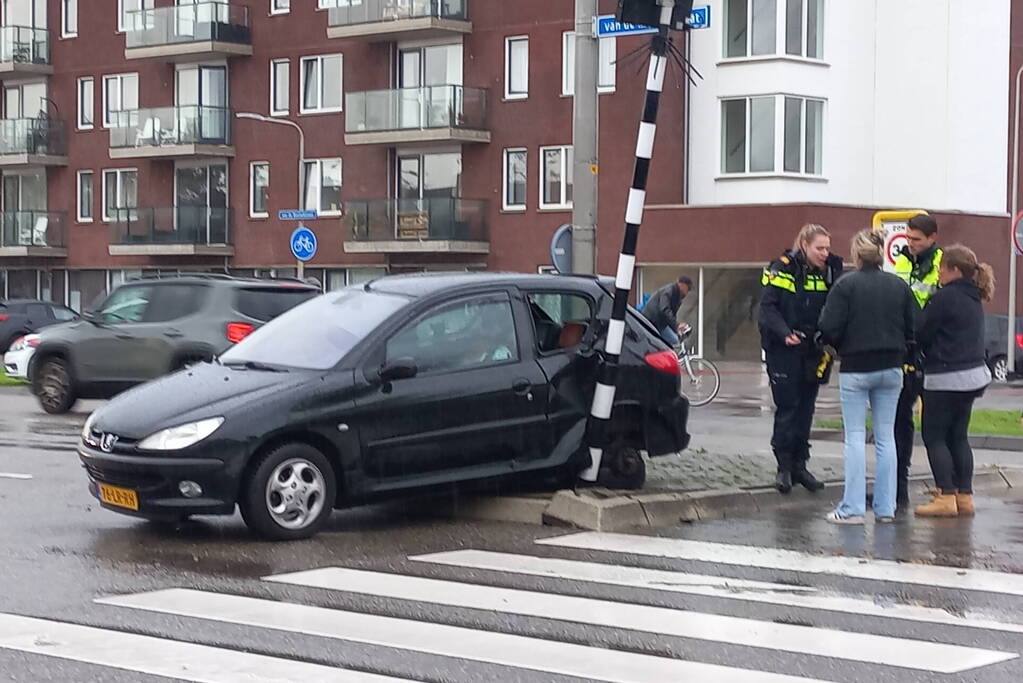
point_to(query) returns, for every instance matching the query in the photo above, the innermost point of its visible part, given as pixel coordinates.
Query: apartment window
(69, 18)
(322, 182)
(804, 28)
(321, 84)
(756, 28)
(804, 129)
(86, 103)
(516, 67)
(280, 87)
(126, 21)
(120, 93)
(606, 68)
(120, 191)
(259, 189)
(514, 179)
(555, 177)
(280, 6)
(85, 196)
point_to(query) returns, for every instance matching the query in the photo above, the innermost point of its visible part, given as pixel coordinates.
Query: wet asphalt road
(59, 552)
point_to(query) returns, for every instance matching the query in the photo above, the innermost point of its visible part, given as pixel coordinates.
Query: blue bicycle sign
(303, 243)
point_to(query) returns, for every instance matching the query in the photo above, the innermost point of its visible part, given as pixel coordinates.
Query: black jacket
(952, 333)
(869, 319)
(662, 307)
(787, 305)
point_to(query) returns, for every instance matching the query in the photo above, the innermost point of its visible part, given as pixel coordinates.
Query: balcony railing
(174, 225)
(32, 136)
(204, 21)
(170, 126)
(33, 229)
(432, 106)
(434, 219)
(24, 45)
(353, 12)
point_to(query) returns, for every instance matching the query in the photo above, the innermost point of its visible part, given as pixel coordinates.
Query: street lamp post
(1010, 353)
(301, 159)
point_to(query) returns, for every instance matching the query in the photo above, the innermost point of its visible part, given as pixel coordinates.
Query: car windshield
(316, 335)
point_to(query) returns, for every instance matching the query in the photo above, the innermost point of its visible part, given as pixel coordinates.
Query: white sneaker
(836, 518)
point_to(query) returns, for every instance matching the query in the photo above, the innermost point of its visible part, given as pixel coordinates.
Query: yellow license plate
(122, 498)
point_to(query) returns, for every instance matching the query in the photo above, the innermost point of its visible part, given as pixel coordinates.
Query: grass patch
(6, 381)
(983, 423)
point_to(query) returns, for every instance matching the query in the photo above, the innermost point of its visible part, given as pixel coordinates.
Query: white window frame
(803, 101)
(121, 16)
(508, 94)
(65, 15)
(607, 47)
(82, 109)
(778, 168)
(79, 216)
(804, 30)
(274, 63)
(107, 123)
(319, 77)
(319, 199)
(505, 204)
(252, 189)
(781, 32)
(275, 7)
(565, 203)
(120, 183)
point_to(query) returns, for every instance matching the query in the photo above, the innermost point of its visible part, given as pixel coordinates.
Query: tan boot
(943, 505)
(964, 502)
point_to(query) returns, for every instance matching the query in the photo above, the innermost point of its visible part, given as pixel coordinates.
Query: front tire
(289, 493)
(53, 386)
(1000, 369)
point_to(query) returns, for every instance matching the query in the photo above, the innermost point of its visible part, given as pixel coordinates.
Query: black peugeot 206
(399, 384)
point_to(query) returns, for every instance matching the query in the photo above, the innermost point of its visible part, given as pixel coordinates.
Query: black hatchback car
(403, 383)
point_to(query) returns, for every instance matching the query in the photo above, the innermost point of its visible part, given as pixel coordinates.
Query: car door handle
(523, 387)
(125, 336)
(174, 334)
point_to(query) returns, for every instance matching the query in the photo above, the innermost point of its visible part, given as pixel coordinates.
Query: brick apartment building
(157, 135)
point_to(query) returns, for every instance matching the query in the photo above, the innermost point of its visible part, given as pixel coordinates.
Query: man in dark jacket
(662, 308)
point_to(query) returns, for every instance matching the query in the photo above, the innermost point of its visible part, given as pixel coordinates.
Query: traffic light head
(648, 13)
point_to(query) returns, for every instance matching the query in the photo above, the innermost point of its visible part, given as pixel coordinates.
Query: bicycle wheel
(700, 380)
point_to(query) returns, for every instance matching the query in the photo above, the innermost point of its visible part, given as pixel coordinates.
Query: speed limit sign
(893, 244)
(892, 225)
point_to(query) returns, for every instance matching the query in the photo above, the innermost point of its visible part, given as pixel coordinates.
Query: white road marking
(14, 475)
(823, 642)
(712, 586)
(522, 652)
(160, 657)
(790, 560)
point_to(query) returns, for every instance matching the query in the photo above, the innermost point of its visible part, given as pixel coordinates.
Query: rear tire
(1000, 369)
(54, 387)
(289, 493)
(622, 467)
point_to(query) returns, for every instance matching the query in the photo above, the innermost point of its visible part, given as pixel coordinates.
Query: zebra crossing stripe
(791, 560)
(860, 647)
(160, 657)
(536, 654)
(710, 586)
(14, 475)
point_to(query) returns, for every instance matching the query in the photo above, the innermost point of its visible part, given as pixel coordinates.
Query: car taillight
(4, 317)
(665, 361)
(238, 331)
(1019, 341)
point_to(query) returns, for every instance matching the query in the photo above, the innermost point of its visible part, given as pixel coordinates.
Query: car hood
(202, 391)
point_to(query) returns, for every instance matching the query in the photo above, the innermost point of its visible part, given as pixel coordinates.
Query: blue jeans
(670, 336)
(881, 389)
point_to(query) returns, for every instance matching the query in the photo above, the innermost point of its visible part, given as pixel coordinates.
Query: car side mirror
(399, 368)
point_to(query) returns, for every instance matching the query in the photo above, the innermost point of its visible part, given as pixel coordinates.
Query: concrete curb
(994, 443)
(600, 509)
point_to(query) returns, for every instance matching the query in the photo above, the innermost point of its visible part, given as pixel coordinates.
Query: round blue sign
(303, 243)
(561, 249)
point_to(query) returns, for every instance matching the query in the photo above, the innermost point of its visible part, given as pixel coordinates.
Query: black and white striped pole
(598, 427)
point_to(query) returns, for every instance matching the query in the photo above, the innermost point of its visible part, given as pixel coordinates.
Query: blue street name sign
(296, 215)
(699, 17)
(303, 243)
(607, 25)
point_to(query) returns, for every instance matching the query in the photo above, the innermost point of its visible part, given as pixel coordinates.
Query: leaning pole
(598, 427)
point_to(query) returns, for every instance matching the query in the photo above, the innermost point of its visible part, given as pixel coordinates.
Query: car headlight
(182, 436)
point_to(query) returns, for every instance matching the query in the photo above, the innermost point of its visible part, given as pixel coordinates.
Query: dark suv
(19, 317)
(149, 327)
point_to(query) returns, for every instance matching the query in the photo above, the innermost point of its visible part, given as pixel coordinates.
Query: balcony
(171, 133)
(24, 51)
(33, 234)
(32, 142)
(171, 231)
(430, 114)
(436, 225)
(205, 30)
(392, 20)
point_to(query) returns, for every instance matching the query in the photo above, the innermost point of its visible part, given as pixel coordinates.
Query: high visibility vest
(787, 281)
(923, 287)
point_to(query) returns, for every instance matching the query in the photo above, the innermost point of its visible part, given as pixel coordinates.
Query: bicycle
(699, 377)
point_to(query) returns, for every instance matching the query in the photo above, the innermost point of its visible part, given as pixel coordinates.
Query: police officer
(918, 265)
(795, 288)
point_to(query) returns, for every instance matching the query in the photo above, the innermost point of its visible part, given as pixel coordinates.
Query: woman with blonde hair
(868, 318)
(955, 374)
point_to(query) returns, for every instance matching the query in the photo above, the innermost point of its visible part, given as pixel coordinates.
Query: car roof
(230, 280)
(425, 284)
(8, 302)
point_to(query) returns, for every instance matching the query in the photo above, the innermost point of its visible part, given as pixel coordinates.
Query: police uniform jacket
(793, 298)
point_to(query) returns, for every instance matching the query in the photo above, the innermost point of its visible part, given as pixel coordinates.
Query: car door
(165, 329)
(469, 411)
(110, 350)
(36, 317)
